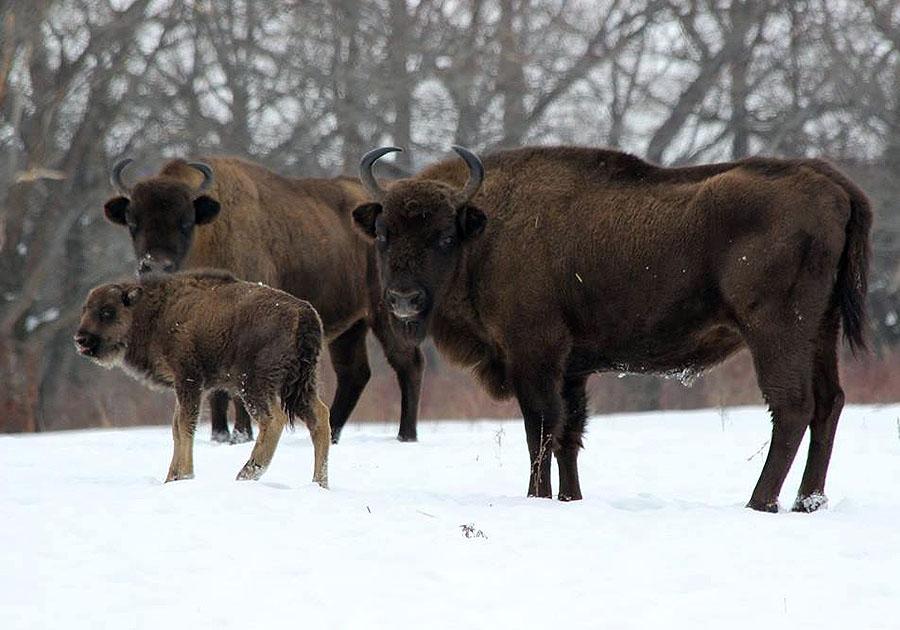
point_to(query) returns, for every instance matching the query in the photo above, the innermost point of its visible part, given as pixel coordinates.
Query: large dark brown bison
(293, 234)
(560, 261)
(194, 331)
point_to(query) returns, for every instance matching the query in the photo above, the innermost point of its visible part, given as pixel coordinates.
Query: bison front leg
(271, 425)
(243, 428)
(538, 391)
(218, 416)
(184, 424)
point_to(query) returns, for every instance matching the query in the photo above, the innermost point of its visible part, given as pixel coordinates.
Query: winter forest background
(307, 86)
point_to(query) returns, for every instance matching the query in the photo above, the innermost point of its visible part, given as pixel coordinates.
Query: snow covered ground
(90, 537)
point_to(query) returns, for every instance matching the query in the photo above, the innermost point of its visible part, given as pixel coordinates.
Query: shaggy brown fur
(291, 234)
(196, 331)
(570, 261)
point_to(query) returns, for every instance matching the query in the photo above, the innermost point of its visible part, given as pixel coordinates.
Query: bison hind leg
(271, 421)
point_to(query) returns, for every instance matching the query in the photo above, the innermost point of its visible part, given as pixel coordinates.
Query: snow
(91, 537)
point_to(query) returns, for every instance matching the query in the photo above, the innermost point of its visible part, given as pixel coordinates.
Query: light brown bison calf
(203, 330)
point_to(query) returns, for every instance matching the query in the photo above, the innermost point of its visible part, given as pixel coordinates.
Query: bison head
(421, 229)
(105, 327)
(161, 214)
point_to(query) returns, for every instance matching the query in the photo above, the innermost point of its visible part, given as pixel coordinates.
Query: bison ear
(471, 221)
(364, 216)
(115, 209)
(205, 209)
(131, 295)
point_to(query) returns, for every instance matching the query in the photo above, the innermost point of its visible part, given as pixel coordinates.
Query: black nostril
(145, 267)
(168, 267)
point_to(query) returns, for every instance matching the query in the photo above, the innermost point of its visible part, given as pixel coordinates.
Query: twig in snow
(759, 451)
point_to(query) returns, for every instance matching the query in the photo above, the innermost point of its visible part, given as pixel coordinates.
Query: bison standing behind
(563, 261)
(294, 234)
(206, 330)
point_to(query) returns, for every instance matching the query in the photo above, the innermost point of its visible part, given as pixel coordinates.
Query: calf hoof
(810, 503)
(322, 481)
(223, 437)
(763, 506)
(178, 476)
(251, 471)
(407, 438)
(241, 437)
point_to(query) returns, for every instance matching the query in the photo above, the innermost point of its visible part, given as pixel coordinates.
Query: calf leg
(351, 366)
(829, 401)
(785, 378)
(243, 429)
(321, 439)
(184, 424)
(575, 396)
(218, 416)
(271, 420)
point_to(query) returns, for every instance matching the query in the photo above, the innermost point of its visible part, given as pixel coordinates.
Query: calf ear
(205, 209)
(131, 295)
(364, 217)
(471, 221)
(115, 209)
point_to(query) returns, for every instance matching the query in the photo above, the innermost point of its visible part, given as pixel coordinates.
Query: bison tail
(853, 270)
(299, 387)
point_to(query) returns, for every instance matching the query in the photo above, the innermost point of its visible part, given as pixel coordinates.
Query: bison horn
(365, 170)
(476, 173)
(207, 175)
(115, 177)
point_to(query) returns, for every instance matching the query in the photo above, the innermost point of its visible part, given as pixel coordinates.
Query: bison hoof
(763, 506)
(407, 438)
(179, 476)
(810, 503)
(251, 472)
(569, 497)
(335, 435)
(241, 437)
(223, 437)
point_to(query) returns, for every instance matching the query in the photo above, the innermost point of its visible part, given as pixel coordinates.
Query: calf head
(161, 214)
(421, 229)
(105, 327)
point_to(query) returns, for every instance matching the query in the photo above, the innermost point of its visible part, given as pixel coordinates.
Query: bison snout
(406, 304)
(86, 343)
(155, 265)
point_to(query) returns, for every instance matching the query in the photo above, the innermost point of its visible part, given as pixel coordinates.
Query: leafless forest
(306, 86)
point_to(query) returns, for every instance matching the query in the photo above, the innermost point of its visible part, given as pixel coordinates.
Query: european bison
(202, 330)
(291, 234)
(563, 261)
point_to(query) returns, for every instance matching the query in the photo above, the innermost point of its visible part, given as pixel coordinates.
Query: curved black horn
(365, 170)
(115, 177)
(207, 175)
(476, 173)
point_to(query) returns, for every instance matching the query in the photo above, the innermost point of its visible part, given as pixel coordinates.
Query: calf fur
(206, 330)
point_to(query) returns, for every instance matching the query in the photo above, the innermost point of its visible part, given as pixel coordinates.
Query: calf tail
(299, 387)
(853, 269)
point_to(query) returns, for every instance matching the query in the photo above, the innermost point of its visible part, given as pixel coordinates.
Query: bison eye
(447, 242)
(186, 227)
(381, 238)
(107, 314)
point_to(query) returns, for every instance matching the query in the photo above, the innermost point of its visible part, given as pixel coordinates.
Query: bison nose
(155, 265)
(406, 304)
(85, 342)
